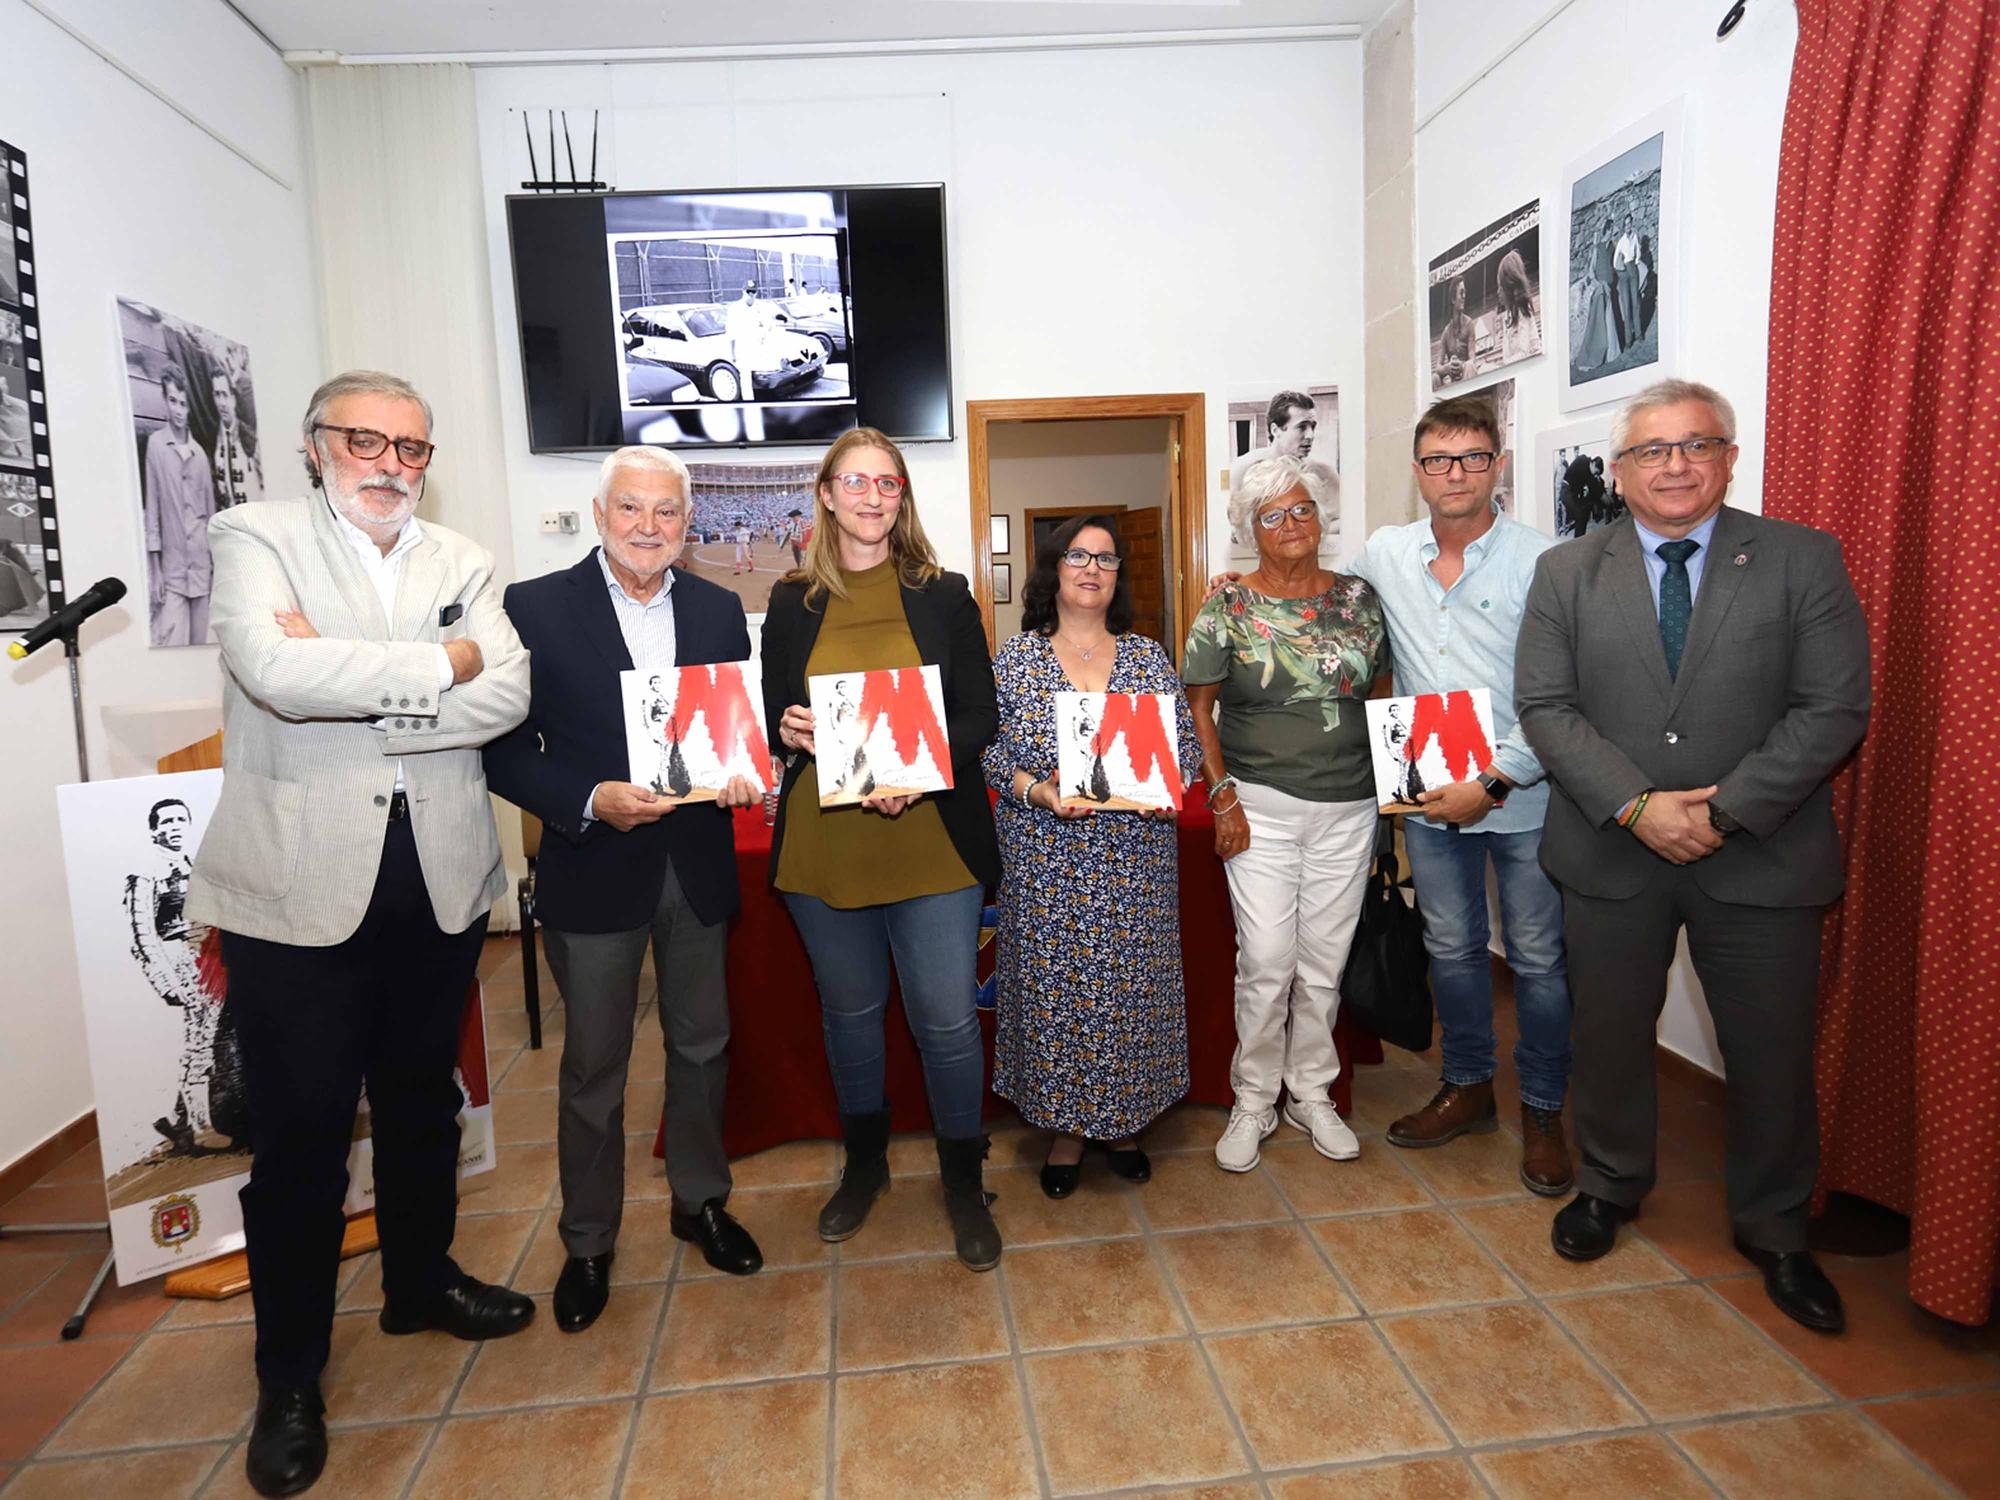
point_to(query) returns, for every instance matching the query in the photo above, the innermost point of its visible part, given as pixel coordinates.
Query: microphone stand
(74, 1327)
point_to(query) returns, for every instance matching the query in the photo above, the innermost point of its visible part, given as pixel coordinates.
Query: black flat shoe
(287, 1447)
(1798, 1287)
(1587, 1227)
(582, 1290)
(1060, 1182)
(1130, 1163)
(468, 1309)
(725, 1244)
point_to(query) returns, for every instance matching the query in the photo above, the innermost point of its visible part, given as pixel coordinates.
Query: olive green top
(849, 856)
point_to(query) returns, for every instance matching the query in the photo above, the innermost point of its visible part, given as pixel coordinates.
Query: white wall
(132, 199)
(1121, 221)
(1593, 67)
(1118, 464)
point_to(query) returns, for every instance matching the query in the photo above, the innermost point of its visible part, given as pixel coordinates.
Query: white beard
(381, 529)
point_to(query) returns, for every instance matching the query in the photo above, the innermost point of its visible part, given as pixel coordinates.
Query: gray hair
(1267, 479)
(1672, 393)
(651, 460)
(355, 383)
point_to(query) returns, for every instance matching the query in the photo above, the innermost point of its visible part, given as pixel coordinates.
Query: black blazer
(597, 879)
(950, 636)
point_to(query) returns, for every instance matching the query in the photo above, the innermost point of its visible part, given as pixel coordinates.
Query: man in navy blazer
(626, 866)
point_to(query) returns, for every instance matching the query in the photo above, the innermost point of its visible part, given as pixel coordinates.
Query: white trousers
(1296, 892)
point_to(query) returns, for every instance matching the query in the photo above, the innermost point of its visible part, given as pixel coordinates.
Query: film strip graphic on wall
(31, 576)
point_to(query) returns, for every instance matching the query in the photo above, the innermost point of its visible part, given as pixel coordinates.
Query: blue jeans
(935, 940)
(1450, 871)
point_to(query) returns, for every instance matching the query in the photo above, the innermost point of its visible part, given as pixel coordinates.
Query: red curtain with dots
(1884, 417)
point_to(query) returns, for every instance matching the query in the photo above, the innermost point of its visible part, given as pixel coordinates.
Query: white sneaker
(1330, 1136)
(1237, 1150)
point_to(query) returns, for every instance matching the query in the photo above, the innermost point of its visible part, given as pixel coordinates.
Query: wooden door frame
(1187, 430)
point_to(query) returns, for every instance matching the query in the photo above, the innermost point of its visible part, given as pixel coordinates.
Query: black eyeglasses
(1476, 462)
(888, 486)
(1076, 557)
(366, 442)
(1697, 450)
(1271, 520)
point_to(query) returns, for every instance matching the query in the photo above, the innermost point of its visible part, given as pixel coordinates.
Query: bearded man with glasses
(350, 866)
(1691, 677)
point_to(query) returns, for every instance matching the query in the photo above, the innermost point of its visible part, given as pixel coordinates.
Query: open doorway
(1035, 463)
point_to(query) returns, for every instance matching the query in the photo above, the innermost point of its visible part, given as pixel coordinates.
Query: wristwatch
(1721, 822)
(1493, 786)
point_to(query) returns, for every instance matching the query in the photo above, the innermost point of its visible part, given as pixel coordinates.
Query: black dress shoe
(725, 1244)
(467, 1309)
(287, 1446)
(582, 1290)
(1059, 1181)
(1130, 1163)
(1587, 1227)
(1798, 1287)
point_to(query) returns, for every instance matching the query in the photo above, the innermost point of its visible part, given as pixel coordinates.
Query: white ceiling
(373, 28)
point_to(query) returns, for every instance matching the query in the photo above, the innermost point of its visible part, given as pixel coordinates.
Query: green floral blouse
(1294, 674)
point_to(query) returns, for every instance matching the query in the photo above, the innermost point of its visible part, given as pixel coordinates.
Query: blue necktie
(1676, 600)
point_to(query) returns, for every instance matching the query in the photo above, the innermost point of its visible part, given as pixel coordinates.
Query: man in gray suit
(350, 865)
(1691, 677)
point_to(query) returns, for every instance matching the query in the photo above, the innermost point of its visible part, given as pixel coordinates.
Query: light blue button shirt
(648, 629)
(1444, 640)
(1656, 565)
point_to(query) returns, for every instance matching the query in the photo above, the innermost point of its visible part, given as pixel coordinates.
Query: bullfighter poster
(879, 734)
(1118, 750)
(1426, 741)
(690, 730)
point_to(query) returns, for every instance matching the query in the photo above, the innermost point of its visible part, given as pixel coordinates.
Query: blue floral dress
(1092, 1024)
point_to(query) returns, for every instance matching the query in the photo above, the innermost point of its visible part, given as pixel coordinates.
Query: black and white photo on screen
(1485, 299)
(194, 430)
(1573, 469)
(1291, 421)
(1621, 207)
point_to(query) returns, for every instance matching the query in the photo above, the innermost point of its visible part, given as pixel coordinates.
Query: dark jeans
(1450, 872)
(934, 940)
(314, 1023)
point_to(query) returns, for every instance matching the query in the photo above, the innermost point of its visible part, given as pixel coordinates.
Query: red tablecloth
(779, 1087)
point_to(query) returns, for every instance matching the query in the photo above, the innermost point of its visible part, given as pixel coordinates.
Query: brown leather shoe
(1545, 1164)
(1457, 1109)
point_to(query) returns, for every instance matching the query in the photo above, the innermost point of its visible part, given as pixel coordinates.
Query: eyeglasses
(1271, 520)
(365, 442)
(1697, 450)
(1076, 557)
(888, 486)
(1476, 462)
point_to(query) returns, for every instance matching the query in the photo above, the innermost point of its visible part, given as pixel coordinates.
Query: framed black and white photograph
(1501, 394)
(1295, 421)
(1621, 229)
(1003, 583)
(31, 576)
(1486, 299)
(194, 429)
(749, 526)
(999, 536)
(1573, 470)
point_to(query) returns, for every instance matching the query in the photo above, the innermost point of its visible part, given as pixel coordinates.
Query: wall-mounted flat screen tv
(733, 317)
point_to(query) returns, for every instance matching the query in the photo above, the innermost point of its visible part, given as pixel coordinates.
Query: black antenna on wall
(554, 183)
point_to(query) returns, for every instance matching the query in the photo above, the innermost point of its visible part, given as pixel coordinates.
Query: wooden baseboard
(17, 1177)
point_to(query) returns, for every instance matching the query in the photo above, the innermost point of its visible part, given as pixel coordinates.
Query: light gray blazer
(1772, 694)
(312, 729)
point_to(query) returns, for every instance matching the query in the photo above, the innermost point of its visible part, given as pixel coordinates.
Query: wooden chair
(531, 979)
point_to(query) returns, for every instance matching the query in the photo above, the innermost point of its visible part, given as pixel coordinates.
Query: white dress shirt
(648, 628)
(385, 572)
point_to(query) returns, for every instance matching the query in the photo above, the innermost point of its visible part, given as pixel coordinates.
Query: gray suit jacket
(312, 729)
(1772, 694)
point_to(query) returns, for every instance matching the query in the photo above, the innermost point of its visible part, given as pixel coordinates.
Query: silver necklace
(1086, 652)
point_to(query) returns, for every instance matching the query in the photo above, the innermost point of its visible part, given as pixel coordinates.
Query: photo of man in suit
(626, 867)
(350, 865)
(1691, 677)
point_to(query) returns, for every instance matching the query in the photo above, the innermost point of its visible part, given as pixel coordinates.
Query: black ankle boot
(966, 1199)
(864, 1177)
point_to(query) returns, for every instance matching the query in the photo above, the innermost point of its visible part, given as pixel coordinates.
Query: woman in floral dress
(1092, 1035)
(1289, 653)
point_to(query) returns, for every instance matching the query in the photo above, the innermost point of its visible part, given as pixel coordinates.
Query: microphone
(100, 595)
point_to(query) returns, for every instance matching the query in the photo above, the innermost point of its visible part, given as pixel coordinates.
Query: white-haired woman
(1289, 653)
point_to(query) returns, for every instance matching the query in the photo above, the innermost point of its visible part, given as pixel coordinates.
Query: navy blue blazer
(594, 878)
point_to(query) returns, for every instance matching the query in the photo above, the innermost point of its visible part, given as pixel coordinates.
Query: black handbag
(1386, 987)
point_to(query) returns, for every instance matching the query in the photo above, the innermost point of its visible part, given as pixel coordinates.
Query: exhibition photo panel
(31, 581)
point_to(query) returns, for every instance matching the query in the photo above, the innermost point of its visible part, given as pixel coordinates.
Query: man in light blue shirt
(1453, 588)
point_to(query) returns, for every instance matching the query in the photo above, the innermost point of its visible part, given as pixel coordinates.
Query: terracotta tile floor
(1395, 1326)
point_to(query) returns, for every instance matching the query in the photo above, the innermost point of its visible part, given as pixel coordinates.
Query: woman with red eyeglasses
(897, 879)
